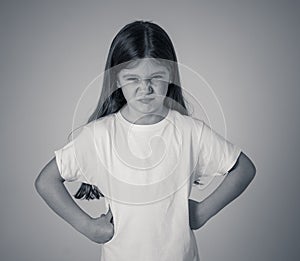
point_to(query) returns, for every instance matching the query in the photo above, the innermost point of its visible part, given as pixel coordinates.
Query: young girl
(142, 152)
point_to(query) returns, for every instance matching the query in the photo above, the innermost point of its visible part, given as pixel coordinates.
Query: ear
(118, 84)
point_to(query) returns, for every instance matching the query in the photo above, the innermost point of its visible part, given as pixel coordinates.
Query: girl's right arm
(50, 186)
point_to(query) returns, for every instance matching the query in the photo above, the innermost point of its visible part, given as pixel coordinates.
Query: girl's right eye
(132, 79)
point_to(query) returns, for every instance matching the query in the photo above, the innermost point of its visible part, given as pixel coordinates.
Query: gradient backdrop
(248, 51)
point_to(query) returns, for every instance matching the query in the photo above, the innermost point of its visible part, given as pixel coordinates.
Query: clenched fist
(101, 229)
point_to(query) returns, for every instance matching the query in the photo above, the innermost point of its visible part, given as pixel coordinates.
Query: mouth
(145, 100)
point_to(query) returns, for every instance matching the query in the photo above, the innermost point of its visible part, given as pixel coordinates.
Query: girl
(142, 152)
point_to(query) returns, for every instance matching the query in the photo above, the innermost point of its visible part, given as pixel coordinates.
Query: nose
(146, 86)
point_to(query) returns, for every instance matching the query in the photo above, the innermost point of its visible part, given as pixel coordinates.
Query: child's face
(147, 95)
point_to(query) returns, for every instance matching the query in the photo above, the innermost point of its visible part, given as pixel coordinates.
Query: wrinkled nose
(146, 86)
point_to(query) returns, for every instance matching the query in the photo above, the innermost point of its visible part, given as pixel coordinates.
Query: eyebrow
(135, 75)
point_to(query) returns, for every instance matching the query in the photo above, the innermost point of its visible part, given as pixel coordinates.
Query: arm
(49, 185)
(235, 182)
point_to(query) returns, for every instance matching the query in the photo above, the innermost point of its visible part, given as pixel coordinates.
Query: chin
(146, 108)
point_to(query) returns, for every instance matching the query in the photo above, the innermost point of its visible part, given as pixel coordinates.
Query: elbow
(43, 182)
(39, 184)
(252, 171)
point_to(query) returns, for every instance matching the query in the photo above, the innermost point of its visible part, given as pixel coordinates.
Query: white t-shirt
(146, 173)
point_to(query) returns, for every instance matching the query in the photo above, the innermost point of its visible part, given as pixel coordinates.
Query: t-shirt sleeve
(70, 158)
(216, 155)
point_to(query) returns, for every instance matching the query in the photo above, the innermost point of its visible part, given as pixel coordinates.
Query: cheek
(162, 91)
(128, 94)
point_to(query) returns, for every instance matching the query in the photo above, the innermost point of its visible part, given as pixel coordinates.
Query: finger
(109, 210)
(109, 214)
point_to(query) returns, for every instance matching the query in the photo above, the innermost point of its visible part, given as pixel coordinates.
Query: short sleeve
(216, 155)
(67, 157)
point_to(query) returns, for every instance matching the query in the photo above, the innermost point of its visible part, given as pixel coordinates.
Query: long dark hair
(136, 40)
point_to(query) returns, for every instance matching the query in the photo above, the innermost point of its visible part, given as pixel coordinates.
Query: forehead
(144, 67)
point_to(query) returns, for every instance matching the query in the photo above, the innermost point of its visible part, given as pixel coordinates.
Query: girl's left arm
(235, 182)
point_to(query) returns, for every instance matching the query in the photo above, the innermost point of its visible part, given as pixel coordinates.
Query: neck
(137, 117)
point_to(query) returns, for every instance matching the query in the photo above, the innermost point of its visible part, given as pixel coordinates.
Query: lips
(145, 100)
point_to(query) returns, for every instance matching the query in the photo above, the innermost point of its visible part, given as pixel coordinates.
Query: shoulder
(101, 124)
(187, 121)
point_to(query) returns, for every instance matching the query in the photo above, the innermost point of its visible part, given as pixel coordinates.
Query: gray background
(248, 50)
